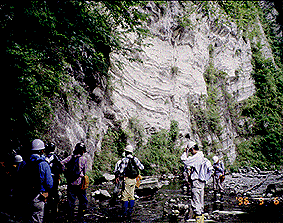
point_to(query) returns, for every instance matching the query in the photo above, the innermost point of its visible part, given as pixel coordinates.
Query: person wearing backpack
(56, 169)
(200, 170)
(37, 182)
(129, 169)
(75, 167)
(218, 176)
(118, 180)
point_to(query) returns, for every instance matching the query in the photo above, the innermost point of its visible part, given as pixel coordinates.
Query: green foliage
(208, 117)
(249, 155)
(160, 154)
(47, 43)
(174, 71)
(136, 132)
(115, 140)
(243, 13)
(112, 147)
(173, 134)
(264, 110)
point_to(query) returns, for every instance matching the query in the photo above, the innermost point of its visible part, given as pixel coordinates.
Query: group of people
(198, 170)
(34, 182)
(40, 175)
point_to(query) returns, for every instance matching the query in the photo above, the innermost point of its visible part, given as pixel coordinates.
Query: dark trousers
(73, 192)
(52, 201)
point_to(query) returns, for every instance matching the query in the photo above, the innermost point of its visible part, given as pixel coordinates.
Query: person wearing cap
(200, 170)
(74, 185)
(218, 176)
(18, 165)
(128, 191)
(18, 162)
(16, 171)
(38, 184)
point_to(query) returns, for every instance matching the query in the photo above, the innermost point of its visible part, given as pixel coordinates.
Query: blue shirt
(46, 181)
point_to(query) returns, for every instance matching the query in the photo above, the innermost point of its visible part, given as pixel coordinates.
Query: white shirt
(201, 167)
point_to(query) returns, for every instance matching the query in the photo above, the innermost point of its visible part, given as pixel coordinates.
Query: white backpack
(206, 170)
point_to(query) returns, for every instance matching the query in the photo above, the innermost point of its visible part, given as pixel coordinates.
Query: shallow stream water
(156, 206)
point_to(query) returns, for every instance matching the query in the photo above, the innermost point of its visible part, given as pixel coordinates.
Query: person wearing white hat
(38, 182)
(16, 186)
(219, 175)
(200, 170)
(128, 169)
(19, 163)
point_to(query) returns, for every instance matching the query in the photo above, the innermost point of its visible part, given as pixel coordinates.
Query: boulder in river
(101, 194)
(109, 177)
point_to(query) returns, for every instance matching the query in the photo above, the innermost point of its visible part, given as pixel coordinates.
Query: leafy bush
(159, 155)
(47, 43)
(264, 110)
(112, 147)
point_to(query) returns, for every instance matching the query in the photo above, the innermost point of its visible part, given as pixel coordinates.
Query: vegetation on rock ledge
(47, 44)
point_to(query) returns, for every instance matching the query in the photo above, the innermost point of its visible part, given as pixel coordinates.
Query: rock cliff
(172, 73)
(170, 84)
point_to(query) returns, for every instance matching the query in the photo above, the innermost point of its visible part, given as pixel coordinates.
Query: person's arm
(46, 180)
(184, 156)
(219, 167)
(190, 161)
(48, 177)
(222, 168)
(65, 161)
(139, 164)
(82, 165)
(122, 166)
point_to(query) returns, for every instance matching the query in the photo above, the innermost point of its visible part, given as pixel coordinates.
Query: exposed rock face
(167, 85)
(172, 73)
(83, 117)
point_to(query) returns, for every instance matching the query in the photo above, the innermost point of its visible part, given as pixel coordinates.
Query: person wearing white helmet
(18, 162)
(16, 186)
(128, 169)
(37, 145)
(218, 176)
(38, 182)
(199, 169)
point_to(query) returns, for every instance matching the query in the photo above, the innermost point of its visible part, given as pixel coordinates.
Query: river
(170, 203)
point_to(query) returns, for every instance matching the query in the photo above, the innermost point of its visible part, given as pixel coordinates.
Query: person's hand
(44, 196)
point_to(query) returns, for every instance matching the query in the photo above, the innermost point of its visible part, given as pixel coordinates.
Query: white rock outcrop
(185, 40)
(157, 90)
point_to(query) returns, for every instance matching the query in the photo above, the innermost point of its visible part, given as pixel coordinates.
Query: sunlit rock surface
(157, 90)
(168, 83)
